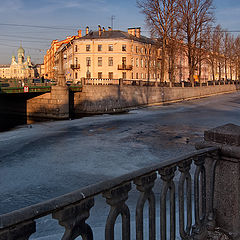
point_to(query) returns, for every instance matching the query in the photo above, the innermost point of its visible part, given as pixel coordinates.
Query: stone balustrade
(73, 209)
(199, 198)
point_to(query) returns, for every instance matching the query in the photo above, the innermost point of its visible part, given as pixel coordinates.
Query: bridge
(28, 86)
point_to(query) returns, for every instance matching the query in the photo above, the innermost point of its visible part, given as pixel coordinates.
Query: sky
(34, 24)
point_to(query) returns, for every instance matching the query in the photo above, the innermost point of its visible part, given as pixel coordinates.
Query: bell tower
(21, 53)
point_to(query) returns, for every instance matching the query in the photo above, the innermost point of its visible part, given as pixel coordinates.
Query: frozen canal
(53, 158)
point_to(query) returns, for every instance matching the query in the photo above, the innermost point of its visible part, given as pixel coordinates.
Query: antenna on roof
(112, 19)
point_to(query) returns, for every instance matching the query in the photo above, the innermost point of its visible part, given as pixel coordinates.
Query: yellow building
(49, 58)
(111, 54)
(20, 68)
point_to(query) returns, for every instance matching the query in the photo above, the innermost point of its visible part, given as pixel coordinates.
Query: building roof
(21, 50)
(61, 48)
(116, 34)
(5, 66)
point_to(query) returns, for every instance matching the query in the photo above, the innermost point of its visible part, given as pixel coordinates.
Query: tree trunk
(231, 71)
(213, 72)
(200, 71)
(163, 60)
(220, 71)
(225, 70)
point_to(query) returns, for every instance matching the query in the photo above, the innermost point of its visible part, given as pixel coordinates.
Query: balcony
(75, 66)
(124, 67)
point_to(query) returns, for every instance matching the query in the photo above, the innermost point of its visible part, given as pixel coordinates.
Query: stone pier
(226, 204)
(53, 105)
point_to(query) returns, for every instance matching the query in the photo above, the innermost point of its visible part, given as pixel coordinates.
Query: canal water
(50, 159)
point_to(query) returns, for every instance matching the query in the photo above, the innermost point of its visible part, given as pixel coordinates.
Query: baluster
(167, 175)
(199, 229)
(116, 198)
(144, 185)
(73, 218)
(211, 215)
(20, 232)
(184, 168)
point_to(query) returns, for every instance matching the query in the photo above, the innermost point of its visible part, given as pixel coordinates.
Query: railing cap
(52, 205)
(226, 134)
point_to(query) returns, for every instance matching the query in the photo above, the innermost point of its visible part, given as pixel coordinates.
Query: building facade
(49, 58)
(115, 54)
(111, 54)
(19, 68)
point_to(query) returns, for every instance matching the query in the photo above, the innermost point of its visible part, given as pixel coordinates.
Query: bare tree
(196, 16)
(237, 57)
(218, 38)
(214, 47)
(230, 54)
(162, 18)
(228, 42)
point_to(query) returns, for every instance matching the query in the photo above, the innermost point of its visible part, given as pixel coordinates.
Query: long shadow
(13, 109)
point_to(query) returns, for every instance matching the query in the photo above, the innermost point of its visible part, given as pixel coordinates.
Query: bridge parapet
(73, 209)
(226, 202)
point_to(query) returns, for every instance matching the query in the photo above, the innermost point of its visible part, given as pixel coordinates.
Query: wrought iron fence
(73, 209)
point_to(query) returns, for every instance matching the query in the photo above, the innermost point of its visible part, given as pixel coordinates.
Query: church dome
(21, 50)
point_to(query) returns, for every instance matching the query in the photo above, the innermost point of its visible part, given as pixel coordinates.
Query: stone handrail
(72, 210)
(153, 82)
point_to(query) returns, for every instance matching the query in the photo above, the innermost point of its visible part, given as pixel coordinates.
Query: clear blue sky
(72, 15)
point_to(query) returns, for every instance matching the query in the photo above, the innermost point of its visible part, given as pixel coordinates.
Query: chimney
(99, 30)
(87, 30)
(109, 29)
(138, 32)
(103, 29)
(79, 33)
(132, 31)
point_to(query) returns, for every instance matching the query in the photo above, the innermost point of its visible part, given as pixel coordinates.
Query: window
(99, 48)
(142, 63)
(110, 75)
(88, 74)
(88, 61)
(124, 48)
(124, 61)
(132, 48)
(76, 75)
(76, 60)
(124, 75)
(88, 48)
(132, 61)
(137, 62)
(136, 75)
(132, 75)
(110, 47)
(99, 75)
(76, 48)
(110, 61)
(99, 61)
(142, 50)
(136, 49)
